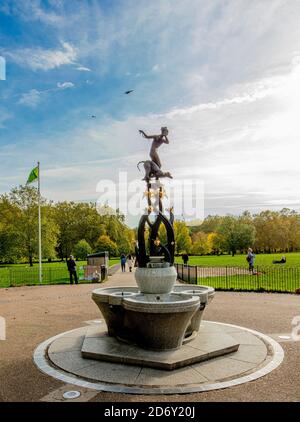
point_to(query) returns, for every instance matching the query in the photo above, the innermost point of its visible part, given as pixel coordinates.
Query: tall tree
(23, 223)
(235, 234)
(201, 244)
(183, 241)
(82, 249)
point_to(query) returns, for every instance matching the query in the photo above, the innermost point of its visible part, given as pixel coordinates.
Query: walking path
(36, 313)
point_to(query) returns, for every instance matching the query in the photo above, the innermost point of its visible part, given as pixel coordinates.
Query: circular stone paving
(258, 354)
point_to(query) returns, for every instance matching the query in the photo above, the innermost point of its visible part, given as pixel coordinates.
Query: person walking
(130, 262)
(250, 258)
(123, 262)
(71, 264)
(185, 258)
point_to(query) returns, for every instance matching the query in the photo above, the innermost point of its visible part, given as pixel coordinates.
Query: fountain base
(100, 346)
(153, 321)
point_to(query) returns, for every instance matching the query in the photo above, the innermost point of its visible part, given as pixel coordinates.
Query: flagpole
(40, 226)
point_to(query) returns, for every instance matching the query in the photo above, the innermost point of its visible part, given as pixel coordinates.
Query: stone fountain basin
(206, 295)
(109, 301)
(159, 322)
(155, 280)
(104, 294)
(162, 303)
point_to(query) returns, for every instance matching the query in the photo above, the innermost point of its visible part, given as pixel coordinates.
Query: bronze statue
(153, 166)
(155, 247)
(152, 170)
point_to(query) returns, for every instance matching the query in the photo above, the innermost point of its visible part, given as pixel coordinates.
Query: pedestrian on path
(250, 259)
(71, 264)
(123, 263)
(185, 258)
(130, 262)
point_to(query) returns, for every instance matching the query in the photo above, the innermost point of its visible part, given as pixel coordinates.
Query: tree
(82, 249)
(294, 231)
(235, 235)
(82, 221)
(201, 244)
(210, 224)
(183, 241)
(66, 219)
(22, 220)
(266, 231)
(104, 243)
(8, 247)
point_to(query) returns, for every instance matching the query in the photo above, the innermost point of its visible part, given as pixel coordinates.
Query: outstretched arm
(147, 136)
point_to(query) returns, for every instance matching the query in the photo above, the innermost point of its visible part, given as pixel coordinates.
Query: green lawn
(221, 272)
(293, 260)
(53, 273)
(279, 277)
(112, 261)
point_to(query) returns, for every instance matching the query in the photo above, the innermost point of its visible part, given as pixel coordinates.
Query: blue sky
(224, 76)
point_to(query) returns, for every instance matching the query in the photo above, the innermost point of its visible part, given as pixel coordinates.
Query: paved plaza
(35, 314)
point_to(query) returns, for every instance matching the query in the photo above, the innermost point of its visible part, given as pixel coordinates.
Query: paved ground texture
(34, 314)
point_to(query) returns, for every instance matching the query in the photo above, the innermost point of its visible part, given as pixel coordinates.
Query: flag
(33, 175)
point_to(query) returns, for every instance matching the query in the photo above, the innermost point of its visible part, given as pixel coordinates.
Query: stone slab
(109, 372)
(69, 361)
(182, 376)
(57, 395)
(221, 372)
(222, 368)
(251, 353)
(66, 344)
(206, 345)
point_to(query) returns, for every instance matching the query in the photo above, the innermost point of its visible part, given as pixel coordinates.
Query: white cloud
(228, 92)
(31, 98)
(83, 69)
(42, 59)
(34, 96)
(32, 10)
(65, 85)
(234, 145)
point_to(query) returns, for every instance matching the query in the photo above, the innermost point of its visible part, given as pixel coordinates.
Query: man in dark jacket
(72, 269)
(185, 258)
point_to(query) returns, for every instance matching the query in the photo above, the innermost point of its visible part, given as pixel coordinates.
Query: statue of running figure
(158, 140)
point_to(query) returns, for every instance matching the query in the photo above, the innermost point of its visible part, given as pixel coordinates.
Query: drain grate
(71, 395)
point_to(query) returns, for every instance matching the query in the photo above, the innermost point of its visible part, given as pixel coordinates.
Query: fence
(11, 276)
(278, 279)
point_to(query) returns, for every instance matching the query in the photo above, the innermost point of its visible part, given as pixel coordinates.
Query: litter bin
(103, 272)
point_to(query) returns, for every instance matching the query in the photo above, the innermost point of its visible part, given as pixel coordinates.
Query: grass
(53, 273)
(280, 282)
(293, 260)
(220, 272)
(270, 276)
(60, 264)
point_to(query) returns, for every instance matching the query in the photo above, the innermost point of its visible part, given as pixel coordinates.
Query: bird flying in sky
(128, 92)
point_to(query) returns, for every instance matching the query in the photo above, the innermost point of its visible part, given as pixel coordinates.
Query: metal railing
(270, 279)
(11, 276)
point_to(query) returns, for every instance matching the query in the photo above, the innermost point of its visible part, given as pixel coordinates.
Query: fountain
(154, 340)
(157, 315)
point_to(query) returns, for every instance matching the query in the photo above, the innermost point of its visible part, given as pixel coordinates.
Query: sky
(222, 75)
